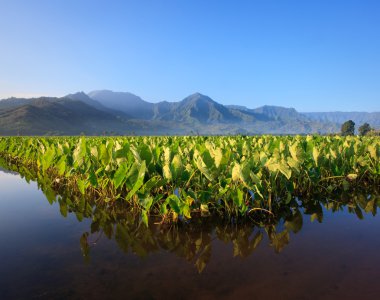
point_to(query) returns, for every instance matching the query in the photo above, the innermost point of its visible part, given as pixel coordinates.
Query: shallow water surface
(54, 251)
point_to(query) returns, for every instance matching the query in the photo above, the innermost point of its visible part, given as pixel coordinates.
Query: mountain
(104, 111)
(196, 108)
(279, 113)
(53, 116)
(269, 113)
(17, 102)
(81, 96)
(340, 117)
(128, 103)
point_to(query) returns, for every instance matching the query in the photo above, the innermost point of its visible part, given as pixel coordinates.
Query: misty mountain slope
(247, 115)
(17, 102)
(55, 116)
(280, 113)
(128, 103)
(81, 96)
(340, 117)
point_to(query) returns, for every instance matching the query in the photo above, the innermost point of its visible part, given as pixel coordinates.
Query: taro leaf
(333, 153)
(92, 179)
(293, 164)
(371, 207)
(132, 175)
(203, 168)
(236, 172)
(238, 198)
(361, 200)
(154, 182)
(122, 152)
(294, 223)
(146, 203)
(81, 186)
(203, 259)
(163, 208)
(94, 152)
(280, 240)
(61, 166)
(255, 178)
(372, 151)
(120, 175)
(50, 195)
(138, 183)
(255, 241)
(207, 159)
(144, 217)
(104, 155)
(174, 203)
(359, 213)
(217, 155)
(63, 208)
(48, 158)
(167, 154)
(135, 153)
(284, 169)
(84, 246)
(295, 152)
(80, 152)
(204, 209)
(186, 211)
(167, 172)
(145, 153)
(315, 155)
(176, 167)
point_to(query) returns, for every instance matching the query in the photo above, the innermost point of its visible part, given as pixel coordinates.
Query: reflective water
(62, 247)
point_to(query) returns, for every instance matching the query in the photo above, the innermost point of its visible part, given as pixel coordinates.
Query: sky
(321, 55)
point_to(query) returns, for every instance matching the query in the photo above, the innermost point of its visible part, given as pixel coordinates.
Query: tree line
(348, 128)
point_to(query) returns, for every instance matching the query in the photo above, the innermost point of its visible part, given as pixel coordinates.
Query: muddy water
(50, 252)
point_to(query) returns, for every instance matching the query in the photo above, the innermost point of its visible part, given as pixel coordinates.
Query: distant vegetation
(348, 128)
(178, 178)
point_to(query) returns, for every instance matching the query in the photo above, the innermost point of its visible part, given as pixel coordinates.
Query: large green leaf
(139, 182)
(120, 174)
(79, 152)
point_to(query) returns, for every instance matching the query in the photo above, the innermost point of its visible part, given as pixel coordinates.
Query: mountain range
(121, 113)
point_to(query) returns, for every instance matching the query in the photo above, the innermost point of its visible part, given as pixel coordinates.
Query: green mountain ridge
(106, 112)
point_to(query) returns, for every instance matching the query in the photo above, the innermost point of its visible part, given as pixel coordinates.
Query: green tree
(348, 128)
(364, 129)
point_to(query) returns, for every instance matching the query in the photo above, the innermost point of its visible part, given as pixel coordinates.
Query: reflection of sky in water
(21, 200)
(27, 220)
(40, 257)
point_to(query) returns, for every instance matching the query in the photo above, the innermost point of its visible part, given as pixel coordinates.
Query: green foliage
(179, 177)
(364, 129)
(348, 128)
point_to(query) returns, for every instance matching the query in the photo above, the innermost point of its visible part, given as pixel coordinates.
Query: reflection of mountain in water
(193, 240)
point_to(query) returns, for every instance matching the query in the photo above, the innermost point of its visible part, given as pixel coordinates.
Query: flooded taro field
(54, 246)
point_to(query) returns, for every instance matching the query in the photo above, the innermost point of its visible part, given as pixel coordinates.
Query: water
(45, 255)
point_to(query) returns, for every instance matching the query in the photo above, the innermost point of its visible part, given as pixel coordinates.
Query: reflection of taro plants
(177, 178)
(193, 240)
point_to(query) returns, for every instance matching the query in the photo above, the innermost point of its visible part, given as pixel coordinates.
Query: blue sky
(321, 55)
